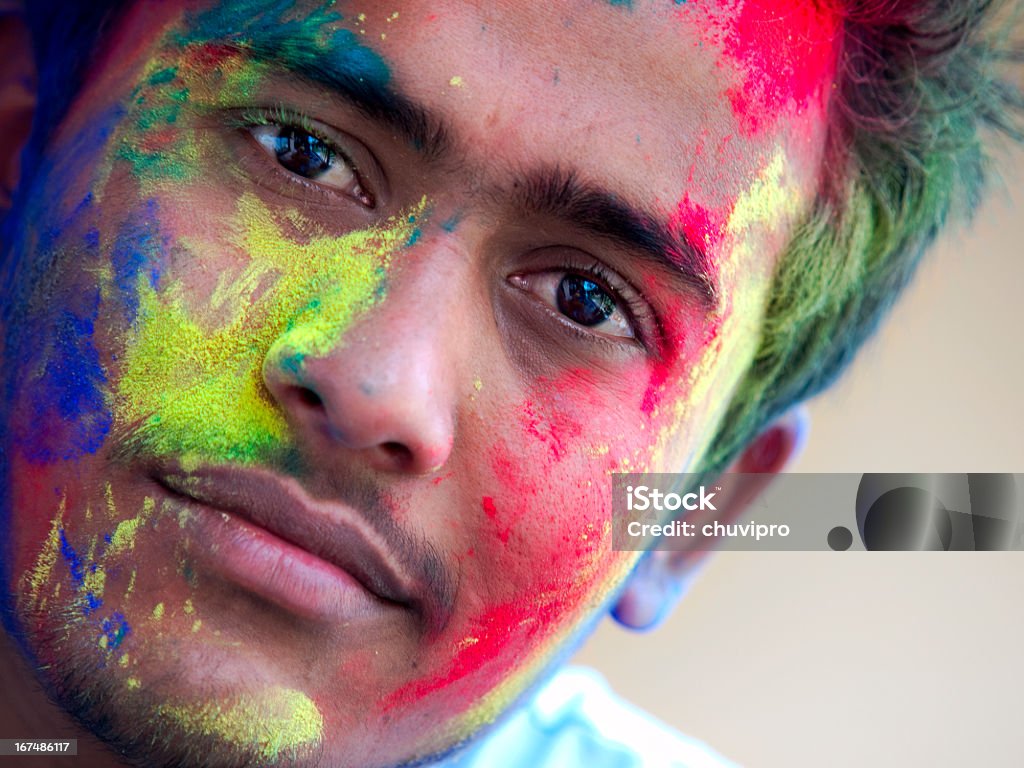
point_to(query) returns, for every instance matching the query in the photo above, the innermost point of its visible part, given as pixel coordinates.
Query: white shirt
(575, 719)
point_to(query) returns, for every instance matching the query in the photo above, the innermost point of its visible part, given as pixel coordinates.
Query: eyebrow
(561, 194)
(552, 192)
(422, 129)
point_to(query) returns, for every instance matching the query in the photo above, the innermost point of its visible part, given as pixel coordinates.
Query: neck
(27, 713)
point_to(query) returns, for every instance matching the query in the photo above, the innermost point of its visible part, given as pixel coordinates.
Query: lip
(318, 558)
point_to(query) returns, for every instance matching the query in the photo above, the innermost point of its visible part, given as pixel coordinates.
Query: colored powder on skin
(698, 224)
(70, 385)
(158, 612)
(72, 559)
(450, 224)
(124, 535)
(151, 143)
(156, 148)
(557, 428)
(769, 199)
(123, 539)
(276, 722)
(201, 388)
(115, 629)
(523, 624)
(312, 43)
(34, 579)
(769, 202)
(786, 52)
(108, 495)
(88, 573)
(491, 511)
(95, 581)
(138, 247)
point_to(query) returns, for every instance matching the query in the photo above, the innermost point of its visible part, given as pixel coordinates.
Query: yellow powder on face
(189, 608)
(196, 625)
(123, 539)
(158, 612)
(33, 581)
(95, 580)
(199, 384)
(275, 722)
(455, 82)
(769, 202)
(133, 683)
(769, 199)
(124, 535)
(108, 493)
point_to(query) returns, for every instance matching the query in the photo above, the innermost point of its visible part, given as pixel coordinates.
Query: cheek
(243, 285)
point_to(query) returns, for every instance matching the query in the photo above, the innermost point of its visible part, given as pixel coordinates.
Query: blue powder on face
(115, 628)
(67, 394)
(306, 42)
(73, 560)
(138, 247)
(55, 377)
(451, 224)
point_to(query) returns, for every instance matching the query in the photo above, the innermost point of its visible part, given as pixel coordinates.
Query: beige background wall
(785, 660)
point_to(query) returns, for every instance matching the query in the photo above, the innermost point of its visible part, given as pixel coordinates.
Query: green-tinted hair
(919, 85)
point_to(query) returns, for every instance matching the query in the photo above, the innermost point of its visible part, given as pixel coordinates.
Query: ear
(17, 96)
(661, 578)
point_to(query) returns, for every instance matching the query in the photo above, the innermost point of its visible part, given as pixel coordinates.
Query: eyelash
(642, 319)
(287, 117)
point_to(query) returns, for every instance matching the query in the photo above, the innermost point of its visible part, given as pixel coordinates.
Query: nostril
(310, 398)
(398, 452)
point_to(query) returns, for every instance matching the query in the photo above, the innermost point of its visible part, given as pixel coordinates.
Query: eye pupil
(302, 153)
(584, 301)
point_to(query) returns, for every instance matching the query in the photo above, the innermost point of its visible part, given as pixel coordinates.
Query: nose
(385, 389)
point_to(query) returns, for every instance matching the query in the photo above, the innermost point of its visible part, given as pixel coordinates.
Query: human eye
(591, 299)
(308, 152)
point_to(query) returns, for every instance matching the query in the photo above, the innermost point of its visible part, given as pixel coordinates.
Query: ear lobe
(17, 98)
(662, 577)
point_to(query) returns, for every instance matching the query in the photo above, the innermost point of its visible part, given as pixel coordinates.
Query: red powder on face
(697, 224)
(517, 623)
(210, 56)
(492, 512)
(785, 49)
(788, 50)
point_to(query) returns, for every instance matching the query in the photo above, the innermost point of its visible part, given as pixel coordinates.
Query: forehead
(653, 91)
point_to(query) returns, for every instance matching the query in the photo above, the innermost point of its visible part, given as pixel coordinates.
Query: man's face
(332, 322)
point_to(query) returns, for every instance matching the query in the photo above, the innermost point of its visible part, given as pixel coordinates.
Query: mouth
(318, 558)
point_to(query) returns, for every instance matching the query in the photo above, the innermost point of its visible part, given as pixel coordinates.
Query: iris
(584, 301)
(302, 153)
